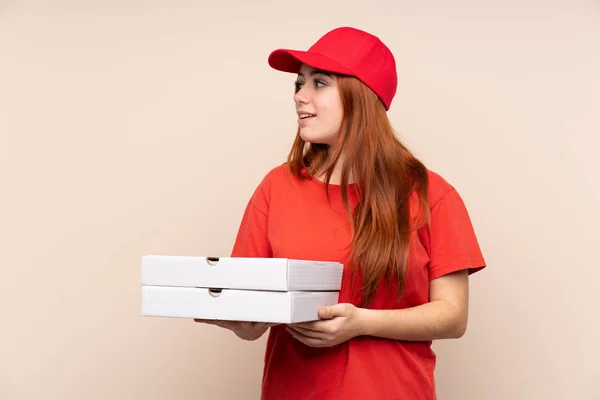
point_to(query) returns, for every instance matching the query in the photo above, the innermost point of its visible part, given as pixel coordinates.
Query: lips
(306, 115)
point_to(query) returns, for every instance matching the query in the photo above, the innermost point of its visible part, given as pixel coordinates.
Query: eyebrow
(317, 72)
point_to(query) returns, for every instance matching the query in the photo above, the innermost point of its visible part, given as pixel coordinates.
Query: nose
(301, 96)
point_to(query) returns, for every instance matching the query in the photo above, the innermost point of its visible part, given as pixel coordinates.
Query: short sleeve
(252, 237)
(452, 242)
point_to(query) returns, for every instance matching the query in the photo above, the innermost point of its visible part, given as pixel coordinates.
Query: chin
(316, 138)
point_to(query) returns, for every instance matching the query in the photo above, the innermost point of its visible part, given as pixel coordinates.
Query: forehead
(307, 71)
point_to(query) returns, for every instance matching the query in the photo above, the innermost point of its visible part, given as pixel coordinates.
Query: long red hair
(386, 175)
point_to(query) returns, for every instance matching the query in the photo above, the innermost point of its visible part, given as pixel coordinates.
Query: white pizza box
(234, 305)
(272, 274)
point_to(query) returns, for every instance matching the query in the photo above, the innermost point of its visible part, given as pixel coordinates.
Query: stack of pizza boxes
(271, 290)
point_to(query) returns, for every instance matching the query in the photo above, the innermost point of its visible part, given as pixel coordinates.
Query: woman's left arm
(444, 316)
(454, 254)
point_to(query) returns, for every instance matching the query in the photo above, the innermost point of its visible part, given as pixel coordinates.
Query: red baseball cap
(346, 51)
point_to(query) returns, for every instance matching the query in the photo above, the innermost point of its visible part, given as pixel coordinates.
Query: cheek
(335, 119)
(333, 111)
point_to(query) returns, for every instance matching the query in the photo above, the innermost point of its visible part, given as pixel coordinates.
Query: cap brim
(291, 60)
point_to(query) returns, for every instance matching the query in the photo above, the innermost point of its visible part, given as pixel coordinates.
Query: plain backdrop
(137, 127)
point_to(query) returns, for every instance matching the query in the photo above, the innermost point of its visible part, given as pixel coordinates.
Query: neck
(336, 176)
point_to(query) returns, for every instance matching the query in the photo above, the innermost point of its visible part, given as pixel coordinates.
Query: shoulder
(272, 181)
(450, 239)
(278, 173)
(439, 187)
(274, 177)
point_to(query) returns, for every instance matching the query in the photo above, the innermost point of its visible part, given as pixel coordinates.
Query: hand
(337, 324)
(243, 329)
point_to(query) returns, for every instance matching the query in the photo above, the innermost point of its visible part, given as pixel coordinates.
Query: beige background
(135, 127)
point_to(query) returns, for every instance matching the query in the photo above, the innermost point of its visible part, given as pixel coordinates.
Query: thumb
(337, 310)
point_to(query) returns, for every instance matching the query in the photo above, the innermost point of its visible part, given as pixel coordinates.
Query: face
(318, 105)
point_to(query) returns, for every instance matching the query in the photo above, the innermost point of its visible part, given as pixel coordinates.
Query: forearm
(431, 321)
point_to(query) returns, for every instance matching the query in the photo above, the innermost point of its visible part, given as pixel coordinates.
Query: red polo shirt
(290, 218)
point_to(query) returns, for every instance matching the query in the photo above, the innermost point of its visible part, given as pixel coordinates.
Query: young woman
(352, 192)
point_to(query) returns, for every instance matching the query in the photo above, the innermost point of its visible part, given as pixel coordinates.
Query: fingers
(255, 325)
(206, 321)
(316, 334)
(309, 333)
(245, 325)
(231, 325)
(316, 326)
(307, 340)
(220, 323)
(305, 325)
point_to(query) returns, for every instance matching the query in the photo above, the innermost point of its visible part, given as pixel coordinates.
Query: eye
(318, 84)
